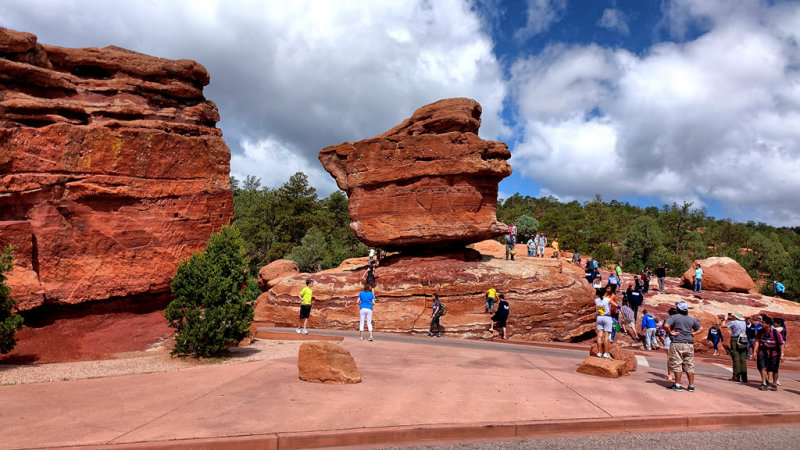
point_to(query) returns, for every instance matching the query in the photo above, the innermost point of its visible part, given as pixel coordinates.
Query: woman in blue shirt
(366, 299)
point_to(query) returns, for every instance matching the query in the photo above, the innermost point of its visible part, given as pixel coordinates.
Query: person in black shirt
(661, 274)
(500, 317)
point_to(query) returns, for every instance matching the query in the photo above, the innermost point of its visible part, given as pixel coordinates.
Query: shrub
(603, 253)
(526, 227)
(10, 323)
(213, 306)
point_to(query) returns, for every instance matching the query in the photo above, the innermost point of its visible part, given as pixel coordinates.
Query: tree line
(674, 235)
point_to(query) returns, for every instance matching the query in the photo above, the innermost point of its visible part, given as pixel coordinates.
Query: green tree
(526, 227)
(603, 253)
(213, 308)
(10, 323)
(312, 254)
(642, 245)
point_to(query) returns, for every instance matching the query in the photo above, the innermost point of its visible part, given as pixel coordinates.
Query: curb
(504, 431)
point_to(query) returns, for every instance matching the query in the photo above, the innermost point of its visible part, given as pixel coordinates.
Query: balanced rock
(112, 169)
(721, 274)
(546, 302)
(323, 362)
(430, 181)
(275, 271)
(603, 367)
(619, 354)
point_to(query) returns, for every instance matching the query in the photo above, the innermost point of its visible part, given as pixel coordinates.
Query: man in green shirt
(305, 307)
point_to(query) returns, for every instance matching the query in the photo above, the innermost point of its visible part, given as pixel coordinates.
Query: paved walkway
(414, 388)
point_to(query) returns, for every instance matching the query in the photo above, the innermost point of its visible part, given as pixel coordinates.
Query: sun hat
(738, 315)
(682, 306)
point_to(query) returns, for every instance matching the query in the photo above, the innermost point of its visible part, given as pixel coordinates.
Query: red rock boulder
(546, 303)
(721, 274)
(323, 362)
(619, 354)
(112, 170)
(275, 271)
(602, 367)
(430, 181)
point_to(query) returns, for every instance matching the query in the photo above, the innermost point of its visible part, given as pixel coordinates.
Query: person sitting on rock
(602, 304)
(780, 289)
(491, 296)
(500, 318)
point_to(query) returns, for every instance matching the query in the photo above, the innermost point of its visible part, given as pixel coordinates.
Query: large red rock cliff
(430, 181)
(112, 170)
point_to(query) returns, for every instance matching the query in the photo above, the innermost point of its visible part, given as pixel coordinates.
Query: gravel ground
(152, 360)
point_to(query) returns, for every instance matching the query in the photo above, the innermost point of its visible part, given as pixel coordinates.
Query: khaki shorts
(681, 357)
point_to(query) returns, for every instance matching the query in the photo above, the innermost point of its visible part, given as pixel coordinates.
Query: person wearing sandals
(768, 352)
(604, 322)
(682, 328)
(500, 318)
(366, 299)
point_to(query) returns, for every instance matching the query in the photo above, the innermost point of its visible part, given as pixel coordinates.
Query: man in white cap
(682, 328)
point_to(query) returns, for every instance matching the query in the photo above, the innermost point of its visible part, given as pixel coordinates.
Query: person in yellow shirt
(491, 296)
(555, 248)
(305, 307)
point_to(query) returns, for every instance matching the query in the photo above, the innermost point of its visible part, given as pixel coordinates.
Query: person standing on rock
(698, 279)
(366, 300)
(682, 328)
(646, 276)
(737, 326)
(510, 246)
(436, 313)
(618, 271)
(604, 323)
(305, 307)
(613, 282)
(531, 247)
(715, 335)
(661, 274)
(542, 245)
(371, 256)
(768, 352)
(555, 248)
(500, 318)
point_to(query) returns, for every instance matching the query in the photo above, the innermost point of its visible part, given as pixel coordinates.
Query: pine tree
(213, 308)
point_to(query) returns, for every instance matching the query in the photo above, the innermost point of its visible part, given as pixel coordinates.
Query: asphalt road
(698, 440)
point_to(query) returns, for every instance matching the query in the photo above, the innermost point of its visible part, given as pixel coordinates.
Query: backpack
(442, 309)
(742, 342)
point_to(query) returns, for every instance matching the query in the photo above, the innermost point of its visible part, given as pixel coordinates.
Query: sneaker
(772, 387)
(361, 338)
(763, 387)
(675, 387)
(439, 335)
(430, 334)
(297, 331)
(370, 339)
(305, 331)
(690, 388)
(778, 383)
(607, 356)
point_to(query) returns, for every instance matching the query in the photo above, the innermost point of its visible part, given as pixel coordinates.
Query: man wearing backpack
(438, 311)
(739, 343)
(613, 281)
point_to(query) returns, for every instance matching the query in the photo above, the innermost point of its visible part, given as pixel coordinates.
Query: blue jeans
(650, 336)
(530, 251)
(698, 284)
(750, 347)
(489, 303)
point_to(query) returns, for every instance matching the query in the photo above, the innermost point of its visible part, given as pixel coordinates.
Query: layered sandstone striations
(430, 181)
(112, 169)
(549, 301)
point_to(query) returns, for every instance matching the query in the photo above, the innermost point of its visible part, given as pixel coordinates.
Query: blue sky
(645, 101)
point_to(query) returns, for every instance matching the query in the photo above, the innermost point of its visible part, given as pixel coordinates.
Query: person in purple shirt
(768, 353)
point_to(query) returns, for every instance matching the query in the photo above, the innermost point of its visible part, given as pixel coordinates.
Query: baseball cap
(682, 306)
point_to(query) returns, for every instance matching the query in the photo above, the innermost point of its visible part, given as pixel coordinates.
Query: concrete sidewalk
(411, 391)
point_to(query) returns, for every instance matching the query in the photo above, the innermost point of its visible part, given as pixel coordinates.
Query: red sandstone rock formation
(602, 367)
(275, 271)
(721, 274)
(323, 362)
(112, 169)
(430, 181)
(545, 304)
(619, 354)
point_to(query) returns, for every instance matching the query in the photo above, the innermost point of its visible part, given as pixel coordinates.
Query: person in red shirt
(768, 352)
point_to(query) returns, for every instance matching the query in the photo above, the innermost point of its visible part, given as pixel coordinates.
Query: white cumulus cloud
(614, 19)
(541, 14)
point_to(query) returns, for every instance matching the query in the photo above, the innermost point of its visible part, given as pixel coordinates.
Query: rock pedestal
(428, 182)
(323, 362)
(112, 170)
(619, 354)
